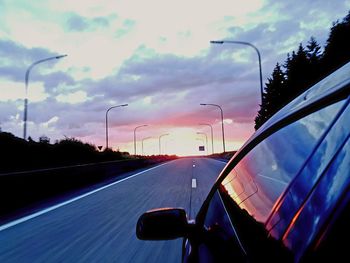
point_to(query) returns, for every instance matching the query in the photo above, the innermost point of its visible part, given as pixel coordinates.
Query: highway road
(100, 226)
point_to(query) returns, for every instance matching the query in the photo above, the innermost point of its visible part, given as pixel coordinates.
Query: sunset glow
(145, 55)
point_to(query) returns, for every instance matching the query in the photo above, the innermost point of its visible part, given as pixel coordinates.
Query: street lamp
(26, 91)
(222, 122)
(143, 141)
(135, 136)
(212, 139)
(206, 138)
(257, 51)
(165, 134)
(122, 105)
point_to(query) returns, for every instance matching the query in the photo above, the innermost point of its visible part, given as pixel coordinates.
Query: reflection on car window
(313, 195)
(263, 174)
(321, 205)
(222, 241)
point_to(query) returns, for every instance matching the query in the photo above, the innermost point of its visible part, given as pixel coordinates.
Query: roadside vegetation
(223, 156)
(18, 154)
(303, 68)
(25, 183)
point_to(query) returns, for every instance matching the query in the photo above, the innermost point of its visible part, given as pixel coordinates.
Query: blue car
(284, 196)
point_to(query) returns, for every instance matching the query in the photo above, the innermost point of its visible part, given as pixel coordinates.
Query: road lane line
(49, 209)
(194, 183)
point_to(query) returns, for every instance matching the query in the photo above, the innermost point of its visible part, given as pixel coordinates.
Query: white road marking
(194, 183)
(46, 210)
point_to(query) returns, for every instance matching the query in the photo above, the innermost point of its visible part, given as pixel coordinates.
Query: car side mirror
(162, 224)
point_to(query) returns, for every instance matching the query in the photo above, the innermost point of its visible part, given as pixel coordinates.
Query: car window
(309, 180)
(321, 205)
(222, 240)
(264, 173)
(241, 205)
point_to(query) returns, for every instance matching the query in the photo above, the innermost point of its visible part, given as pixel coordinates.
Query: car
(283, 197)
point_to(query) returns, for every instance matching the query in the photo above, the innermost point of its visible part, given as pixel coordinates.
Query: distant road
(100, 226)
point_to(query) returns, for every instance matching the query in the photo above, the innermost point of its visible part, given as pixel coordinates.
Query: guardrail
(20, 190)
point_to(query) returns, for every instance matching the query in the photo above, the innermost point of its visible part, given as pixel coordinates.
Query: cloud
(12, 51)
(126, 27)
(8, 111)
(72, 98)
(167, 89)
(16, 59)
(78, 23)
(15, 73)
(170, 72)
(157, 61)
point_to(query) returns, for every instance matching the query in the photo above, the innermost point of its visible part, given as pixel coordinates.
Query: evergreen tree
(272, 96)
(337, 51)
(313, 51)
(314, 55)
(305, 68)
(296, 72)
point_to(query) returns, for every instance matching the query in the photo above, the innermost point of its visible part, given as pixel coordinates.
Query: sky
(156, 57)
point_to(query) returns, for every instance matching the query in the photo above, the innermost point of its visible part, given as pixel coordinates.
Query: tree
(313, 51)
(314, 55)
(304, 68)
(337, 51)
(296, 69)
(272, 96)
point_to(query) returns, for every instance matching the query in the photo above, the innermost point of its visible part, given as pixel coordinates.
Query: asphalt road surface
(100, 226)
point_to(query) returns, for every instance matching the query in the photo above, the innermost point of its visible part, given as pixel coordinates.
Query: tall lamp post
(26, 90)
(122, 105)
(143, 141)
(212, 138)
(206, 138)
(222, 122)
(160, 149)
(135, 136)
(257, 51)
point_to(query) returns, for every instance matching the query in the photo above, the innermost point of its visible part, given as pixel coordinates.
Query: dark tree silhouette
(337, 51)
(305, 68)
(296, 68)
(272, 96)
(314, 55)
(17, 154)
